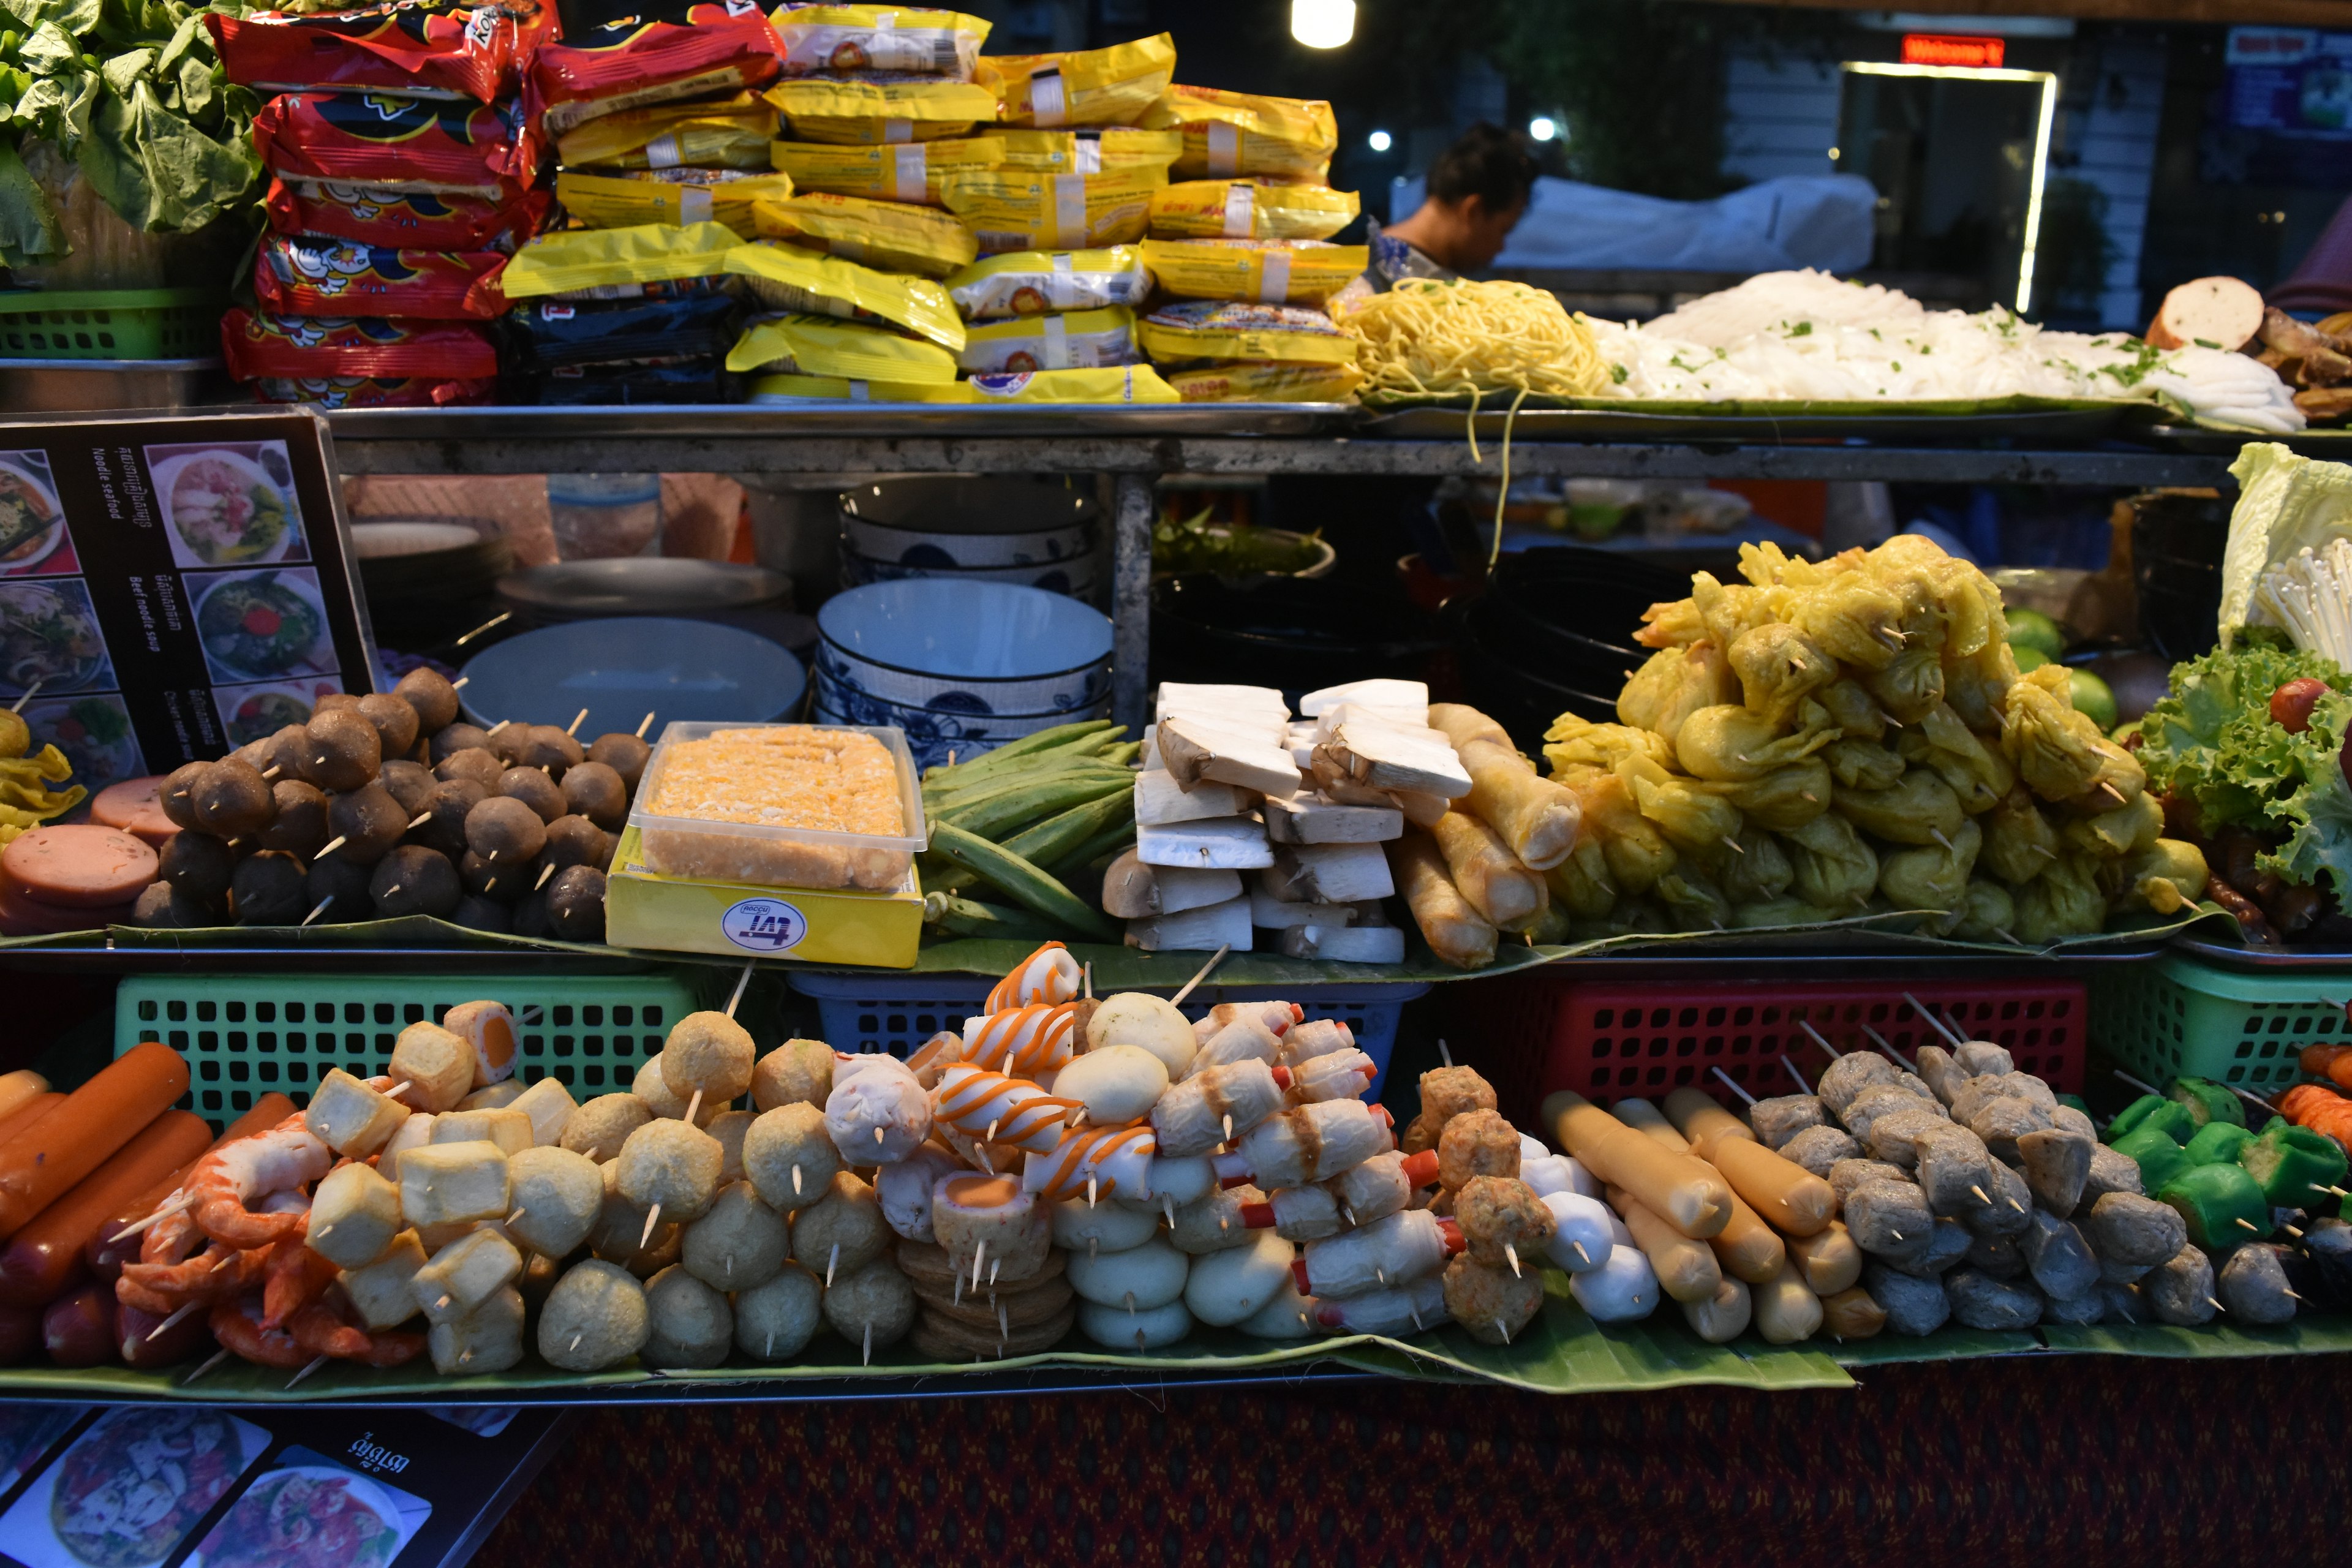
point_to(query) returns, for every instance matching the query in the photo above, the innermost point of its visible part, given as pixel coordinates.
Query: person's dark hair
(1487, 162)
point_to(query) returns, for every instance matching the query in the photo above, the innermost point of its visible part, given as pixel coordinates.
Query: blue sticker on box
(765, 925)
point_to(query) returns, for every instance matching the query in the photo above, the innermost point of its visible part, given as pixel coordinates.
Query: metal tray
(936, 421)
(1799, 423)
(97, 386)
(2271, 960)
(2207, 441)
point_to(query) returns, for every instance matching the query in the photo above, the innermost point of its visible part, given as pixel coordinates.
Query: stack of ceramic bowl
(1025, 531)
(962, 666)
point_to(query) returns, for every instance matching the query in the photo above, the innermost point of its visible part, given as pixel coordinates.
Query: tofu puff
(708, 1053)
(596, 1317)
(557, 1197)
(774, 1321)
(688, 1324)
(796, 1072)
(671, 1167)
(738, 1244)
(598, 1129)
(789, 1157)
(873, 1306)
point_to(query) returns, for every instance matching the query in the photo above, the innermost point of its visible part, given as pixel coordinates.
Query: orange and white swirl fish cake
(991, 1107)
(1116, 1160)
(1049, 974)
(1025, 1041)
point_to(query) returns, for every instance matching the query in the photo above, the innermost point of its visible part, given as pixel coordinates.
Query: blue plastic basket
(898, 1013)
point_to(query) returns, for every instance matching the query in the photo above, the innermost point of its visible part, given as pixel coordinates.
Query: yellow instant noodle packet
(1086, 86)
(1206, 329)
(1111, 384)
(852, 351)
(1268, 271)
(731, 135)
(1228, 133)
(841, 389)
(891, 235)
(615, 263)
(877, 110)
(904, 172)
(1249, 209)
(786, 277)
(619, 200)
(1076, 340)
(1032, 282)
(1019, 209)
(1248, 383)
(1100, 152)
(879, 38)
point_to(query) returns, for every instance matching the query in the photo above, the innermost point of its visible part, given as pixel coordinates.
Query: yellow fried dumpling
(1985, 914)
(1673, 684)
(2169, 875)
(2114, 834)
(2020, 842)
(1693, 902)
(2064, 901)
(1915, 811)
(1859, 765)
(1855, 617)
(1977, 685)
(1686, 815)
(1581, 885)
(1911, 686)
(1671, 623)
(1789, 797)
(1833, 867)
(1636, 853)
(1738, 745)
(1778, 667)
(1749, 867)
(1978, 776)
(1731, 611)
(2055, 749)
(1572, 740)
(1931, 876)
(1852, 709)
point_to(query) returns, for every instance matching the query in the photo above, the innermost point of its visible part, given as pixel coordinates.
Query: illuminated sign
(1950, 49)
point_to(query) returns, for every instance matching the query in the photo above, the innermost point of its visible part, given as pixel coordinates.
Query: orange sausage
(25, 1115)
(74, 1139)
(1791, 1197)
(106, 1256)
(1683, 1190)
(2316, 1059)
(1703, 1121)
(20, 1089)
(44, 1261)
(1747, 1248)
(1687, 1271)
(1828, 1260)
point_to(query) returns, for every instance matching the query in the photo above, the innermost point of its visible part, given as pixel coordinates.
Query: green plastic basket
(2179, 1017)
(111, 323)
(245, 1035)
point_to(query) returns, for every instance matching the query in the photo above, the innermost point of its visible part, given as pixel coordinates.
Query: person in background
(1478, 191)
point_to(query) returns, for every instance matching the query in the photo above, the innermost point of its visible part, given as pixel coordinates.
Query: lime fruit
(2028, 658)
(2093, 697)
(2033, 630)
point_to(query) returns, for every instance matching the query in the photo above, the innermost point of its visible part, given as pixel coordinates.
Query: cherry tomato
(2292, 704)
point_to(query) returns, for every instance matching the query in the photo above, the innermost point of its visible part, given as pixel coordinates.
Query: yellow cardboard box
(685, 914)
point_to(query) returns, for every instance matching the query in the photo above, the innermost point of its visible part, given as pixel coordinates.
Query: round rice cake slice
(946, 1339)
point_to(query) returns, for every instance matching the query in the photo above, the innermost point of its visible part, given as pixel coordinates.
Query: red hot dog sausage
(45, 1258)
(76, 1137)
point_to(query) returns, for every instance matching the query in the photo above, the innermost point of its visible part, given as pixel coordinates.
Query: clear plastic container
(598, 516)
(778, 855)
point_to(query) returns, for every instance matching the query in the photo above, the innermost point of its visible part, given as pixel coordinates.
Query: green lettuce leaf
(2285, 503)
(155, 168)
(2212, 740)
(28, 223)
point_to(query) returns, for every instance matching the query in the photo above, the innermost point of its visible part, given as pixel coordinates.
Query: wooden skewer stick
(2140, 1084)
(693, 1104)
(337, 842)
(421, 818)
(213, 1360)
(459, 684)
(1982, 1196)
(1816, 1033)
(1880, 1041)
(2252, 1098)
(2243, 1224)
(544, 873)
(1214, 959)
(316, 1363)
(271, 772)
(578, 720)
(1938, 1024)
(653, 1217)
(37, 681)
(497, 727)
(1795, 1074)
(2116, 793)
(169, 1207)
(832, 1261)
(1442, 1054)
(645, 724)
(1732, 1085)
(1513, 1254)
(1087, 989)
(1937, 835)
(179, 1314)
(741, 981)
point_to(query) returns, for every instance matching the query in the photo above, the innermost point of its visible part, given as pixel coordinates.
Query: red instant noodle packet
(305, 348)
(369, 392)
(299, 276)
(410, 220)
(485, 149)
(702, 51)
(463, 48)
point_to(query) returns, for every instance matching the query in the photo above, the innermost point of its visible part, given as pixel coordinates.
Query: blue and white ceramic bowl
(936, 738)
(952, 522)
(1079, 578)
(948, 645)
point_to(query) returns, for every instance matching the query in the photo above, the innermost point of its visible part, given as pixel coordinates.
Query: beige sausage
(1722, 1317)
(1828, 1259)
(1790, 1198)
(1684, 1190)
(1650, 1122)
(1852, 1314)
(1687, 1271)
(1786, 1313)
(1699, 1119)
(1749, 1247)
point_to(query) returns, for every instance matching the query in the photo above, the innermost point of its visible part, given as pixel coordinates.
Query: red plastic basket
(1612, 1039)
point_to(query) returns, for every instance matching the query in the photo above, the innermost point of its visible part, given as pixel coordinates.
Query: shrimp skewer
(236, 1324)
(321, 1329)
(232, 1177)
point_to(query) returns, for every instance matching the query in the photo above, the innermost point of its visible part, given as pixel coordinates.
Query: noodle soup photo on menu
(34, 539)
(130, 1490)
(307, 1511)
(230, 505)
(269, 624)
(256, 712)
(49, 639)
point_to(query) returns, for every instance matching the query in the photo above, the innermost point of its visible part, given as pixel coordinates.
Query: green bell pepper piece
(2158, 1157)
(2154, 1112)
(2216, 1143)
(2294, 1165)
(2222, 1205)
(2207, 1102)
(2129, 1118)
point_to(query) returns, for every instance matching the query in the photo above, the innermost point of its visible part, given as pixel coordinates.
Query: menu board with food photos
(173, 586)
(151, 1485)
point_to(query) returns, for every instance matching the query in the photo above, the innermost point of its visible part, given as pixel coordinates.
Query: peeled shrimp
(296, 1277)
(215, 1274)
(319, 1329)
(236, 1324)
(238, 1174)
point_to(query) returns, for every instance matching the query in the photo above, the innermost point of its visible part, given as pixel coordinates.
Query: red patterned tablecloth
(2078, 1461)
